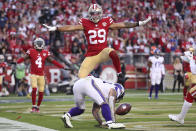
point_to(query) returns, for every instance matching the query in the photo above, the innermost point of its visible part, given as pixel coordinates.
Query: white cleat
(175, 118)
(66, 120)
(116, 126)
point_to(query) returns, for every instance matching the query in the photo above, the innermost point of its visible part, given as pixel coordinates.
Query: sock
(151, 89)
(106, 113)
(186, 106)
(34, 96)
(115, 61)
(75, 111)
(40, 98)
(156, 90)
(0, 88)
(185, 91)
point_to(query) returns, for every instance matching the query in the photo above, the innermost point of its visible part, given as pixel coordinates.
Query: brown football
(123, 109)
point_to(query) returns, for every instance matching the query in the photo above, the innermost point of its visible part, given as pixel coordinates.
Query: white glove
(145, 21)
(189, 55)
(50, 28)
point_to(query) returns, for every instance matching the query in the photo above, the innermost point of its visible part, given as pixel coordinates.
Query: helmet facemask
(39, 44)
(95, 13)
(120, 91)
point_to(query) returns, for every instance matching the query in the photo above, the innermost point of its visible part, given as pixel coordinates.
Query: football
(123, 109)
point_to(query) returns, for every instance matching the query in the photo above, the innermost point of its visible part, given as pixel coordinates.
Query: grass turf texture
(144, 115)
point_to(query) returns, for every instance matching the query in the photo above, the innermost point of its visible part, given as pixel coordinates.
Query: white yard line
(11, 125)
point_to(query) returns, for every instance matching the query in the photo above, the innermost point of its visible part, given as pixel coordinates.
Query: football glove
(50, 28)
(144, 22)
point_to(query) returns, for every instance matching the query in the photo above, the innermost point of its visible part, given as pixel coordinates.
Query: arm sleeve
(163, 69)
(20, 60)
(57, 64)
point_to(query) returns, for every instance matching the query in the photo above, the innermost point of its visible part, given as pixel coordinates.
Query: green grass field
(145, 114)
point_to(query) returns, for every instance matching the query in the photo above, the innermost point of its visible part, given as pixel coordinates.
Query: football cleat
(116, 126)
(176, 118)
(66, 120)
(37, 110)
(33, 110)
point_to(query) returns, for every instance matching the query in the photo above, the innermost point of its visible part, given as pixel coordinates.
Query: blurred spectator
(23, 19)
(19, 76)
(178, 74)
(23, 87)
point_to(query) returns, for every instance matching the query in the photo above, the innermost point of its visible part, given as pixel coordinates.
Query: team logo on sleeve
(104, 24)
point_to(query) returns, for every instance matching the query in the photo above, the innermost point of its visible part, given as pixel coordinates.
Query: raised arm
(20, 60)
(129, 24)
(65, 28)
(51, 60)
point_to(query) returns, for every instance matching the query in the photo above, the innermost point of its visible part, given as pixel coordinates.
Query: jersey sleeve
(110, 21)
(48, 53)
(150, 59)
(162, 60)
(81, 21)
(28, 52)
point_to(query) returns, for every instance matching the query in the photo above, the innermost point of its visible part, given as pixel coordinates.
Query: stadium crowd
(172, 30)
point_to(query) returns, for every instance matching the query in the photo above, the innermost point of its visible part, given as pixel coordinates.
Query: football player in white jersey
(156, 71)
(103, 94)
(190, 96)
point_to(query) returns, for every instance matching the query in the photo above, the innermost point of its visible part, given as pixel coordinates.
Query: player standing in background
(190, 96)
(186, 69)
(38, 56)
(96, 30)
(156, 71)
(2, 73)
(104, 96)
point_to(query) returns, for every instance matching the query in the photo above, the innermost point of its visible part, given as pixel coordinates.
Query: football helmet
(120, 92)
(191, 49)
(2, 58)
(153, 48)
(39, 43)
(95, 13)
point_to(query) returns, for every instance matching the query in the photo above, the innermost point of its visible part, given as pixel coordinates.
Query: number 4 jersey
(37, 59)
(96, 34)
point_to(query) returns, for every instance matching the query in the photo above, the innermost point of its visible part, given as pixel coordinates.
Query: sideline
(11, 125)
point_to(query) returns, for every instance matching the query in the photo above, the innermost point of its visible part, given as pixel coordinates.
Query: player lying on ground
(100, 92)
(96, 29)
(38, 56)
(191, 95)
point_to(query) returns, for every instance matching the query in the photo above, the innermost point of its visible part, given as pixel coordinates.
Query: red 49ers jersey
(186, 67)
(37, 59)
(96, 34)
(3, 65)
